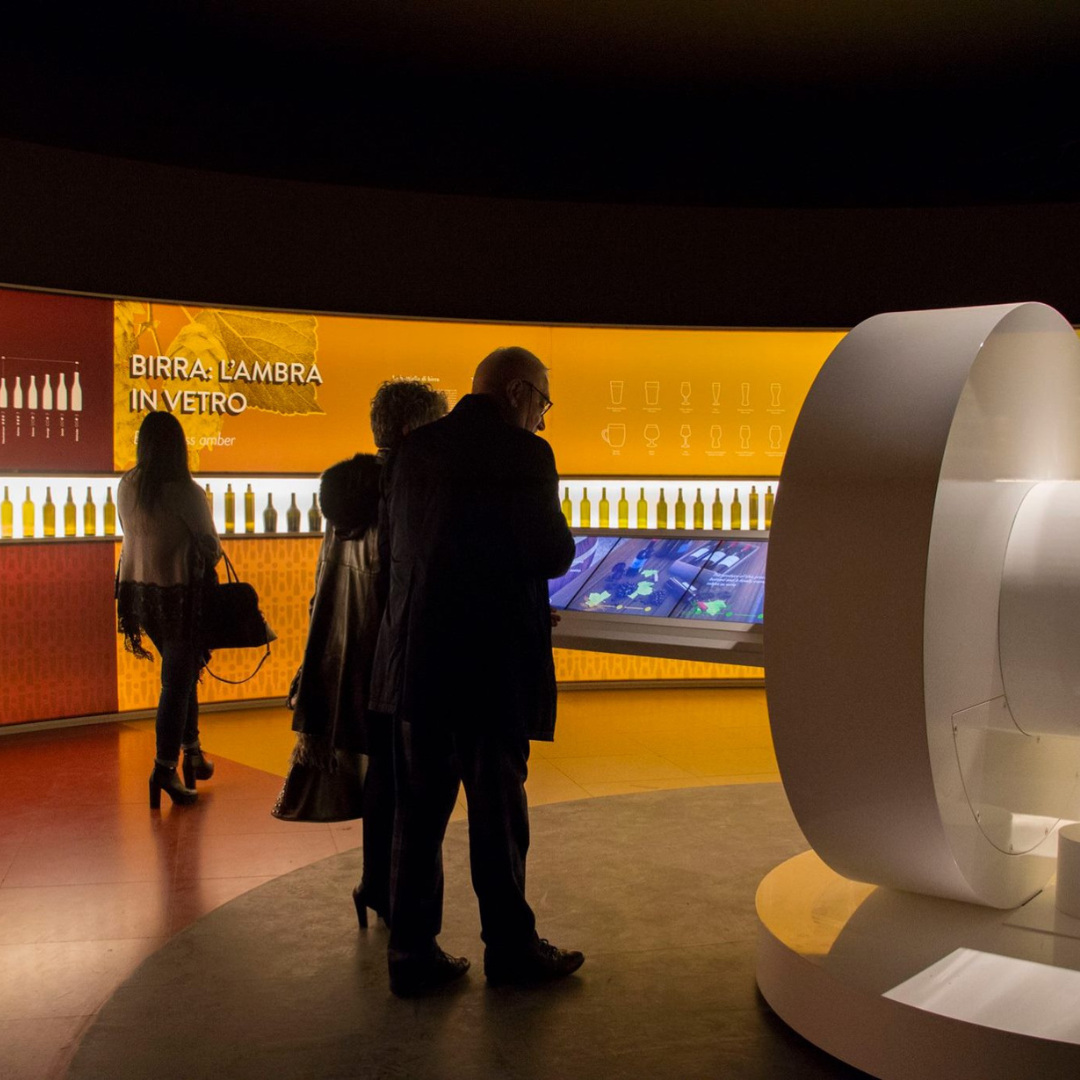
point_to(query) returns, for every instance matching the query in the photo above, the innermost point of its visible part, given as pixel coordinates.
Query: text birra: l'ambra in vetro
(276, 372)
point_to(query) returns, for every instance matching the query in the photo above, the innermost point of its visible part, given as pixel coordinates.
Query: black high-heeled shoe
(363, 900)
(166, 779)
(197, 766)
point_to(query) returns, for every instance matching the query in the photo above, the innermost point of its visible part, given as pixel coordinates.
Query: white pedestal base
(902, 985)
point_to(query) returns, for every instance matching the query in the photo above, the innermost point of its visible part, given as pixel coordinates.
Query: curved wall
(82, 222)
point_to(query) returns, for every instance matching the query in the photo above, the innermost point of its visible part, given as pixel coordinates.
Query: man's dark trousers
(429, 764)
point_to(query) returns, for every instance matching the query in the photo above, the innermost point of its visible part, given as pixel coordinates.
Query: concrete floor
(657, 889)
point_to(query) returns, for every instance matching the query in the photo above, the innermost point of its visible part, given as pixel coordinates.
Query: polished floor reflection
(92, 882)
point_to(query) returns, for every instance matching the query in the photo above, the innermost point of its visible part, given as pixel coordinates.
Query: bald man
(473, 528)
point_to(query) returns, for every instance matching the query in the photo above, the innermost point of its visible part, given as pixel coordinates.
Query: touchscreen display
(643, 577)
(730, 587)
(590, 550)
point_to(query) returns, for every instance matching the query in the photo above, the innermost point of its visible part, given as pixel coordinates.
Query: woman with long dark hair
(170, 547)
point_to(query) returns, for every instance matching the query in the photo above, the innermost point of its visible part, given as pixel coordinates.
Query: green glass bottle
(28, 524)
(605, 509)
(585, 509)
(108, 513)
(70, 515)
(717, 511)
(270, 515)
(680, 511)
(770, 502)
(661, 511)
(642, 512)
(7, 517)
(567, 508)
(736, 511)
(699, 511)
(48, 515)
(314, 515)
(292, 516)
(624, 511)
(89, 515)
(754, 522)
(249, 510)
(230, 509)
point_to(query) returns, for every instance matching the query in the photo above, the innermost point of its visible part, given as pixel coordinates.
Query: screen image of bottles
(44, 400)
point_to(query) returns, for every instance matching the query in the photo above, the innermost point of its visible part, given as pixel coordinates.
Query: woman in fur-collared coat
(341, 767)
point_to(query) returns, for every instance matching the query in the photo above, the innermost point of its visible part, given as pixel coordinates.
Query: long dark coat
(474, 530)
(330, 698)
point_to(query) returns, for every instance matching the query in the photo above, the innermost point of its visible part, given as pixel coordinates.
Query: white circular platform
(903, 985)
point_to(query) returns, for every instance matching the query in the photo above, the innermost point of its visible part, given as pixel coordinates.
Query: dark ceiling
(728, 102)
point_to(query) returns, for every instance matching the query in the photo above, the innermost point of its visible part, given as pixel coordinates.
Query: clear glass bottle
(642, 511)
(270, 515)
(314, 515)
(754, 521)
(680, 512)
(48, 515)
(661, 511)
(89, 515)
(7, 517)
(585, 509)
(770, 502)
(28, 524)
(567, 507)
(717, 511)
(109, 513)
(70, 515)
(624, 511)
(249, 510)
(736, 511)
(699, 511)
(604, 510)
(230, 509)
(292, 516)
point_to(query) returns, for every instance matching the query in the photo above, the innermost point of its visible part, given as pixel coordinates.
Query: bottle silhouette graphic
(28, 515)
(292, 516)
(699, 511)
(76, 394)
(230, 509)
(249, 510)
(717, 512)
(585, 509)
(17, 397)
(48, 515)
(605, 509)
(31, 393)
(624, 511)
(7, 516)
(89, 515)
(46, 395)
(736, 511)
(270, 515)
(753, 523)
(661, 511)
(567, 507)
(680, 511)
(61, 394)
(642, 512)
(770, 502)
(109, 513)
(3, 393)
(314, 515)
(69, 515)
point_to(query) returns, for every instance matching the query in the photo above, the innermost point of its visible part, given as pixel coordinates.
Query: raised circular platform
(656, 888)
(903, 985)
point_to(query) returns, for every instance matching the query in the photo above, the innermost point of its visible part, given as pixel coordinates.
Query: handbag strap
(237, 682)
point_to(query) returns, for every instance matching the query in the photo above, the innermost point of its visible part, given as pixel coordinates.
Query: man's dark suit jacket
(474, 531)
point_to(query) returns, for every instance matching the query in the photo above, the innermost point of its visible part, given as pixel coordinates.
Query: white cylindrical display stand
(1068, 871)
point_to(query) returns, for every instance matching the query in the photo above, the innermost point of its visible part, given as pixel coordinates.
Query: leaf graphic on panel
(129, 321)
(258, 339)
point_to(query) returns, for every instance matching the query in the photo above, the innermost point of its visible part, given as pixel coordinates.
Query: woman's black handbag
(231, 618)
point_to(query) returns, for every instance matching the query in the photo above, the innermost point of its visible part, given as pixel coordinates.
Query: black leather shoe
(165, 779)
(414, 977)
(539, 962)
(197, 766)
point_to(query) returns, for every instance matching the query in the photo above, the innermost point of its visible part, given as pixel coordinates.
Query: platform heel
(166, 779)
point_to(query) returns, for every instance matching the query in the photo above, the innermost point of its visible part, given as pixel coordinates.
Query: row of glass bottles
(47, 401)
(755, 519)
(269, 514)
(48, 515)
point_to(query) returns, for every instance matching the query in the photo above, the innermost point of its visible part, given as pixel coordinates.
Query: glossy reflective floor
(92, 882)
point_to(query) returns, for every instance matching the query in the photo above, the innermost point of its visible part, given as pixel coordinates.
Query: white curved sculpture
(919, 748)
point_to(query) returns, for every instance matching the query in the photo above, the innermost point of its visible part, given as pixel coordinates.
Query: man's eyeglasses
(548, 403)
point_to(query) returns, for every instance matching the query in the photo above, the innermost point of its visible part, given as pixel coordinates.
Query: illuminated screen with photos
(713, 581)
